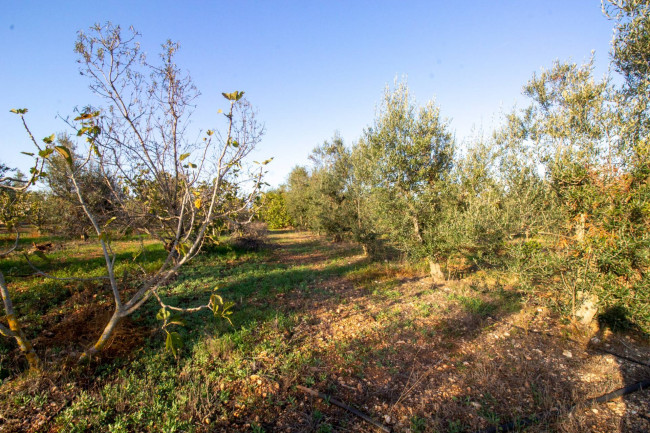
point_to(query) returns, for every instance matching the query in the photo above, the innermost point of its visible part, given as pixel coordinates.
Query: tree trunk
(436, 271)
(16, 331)
(580, 228)
(25, 346)
(105, 337)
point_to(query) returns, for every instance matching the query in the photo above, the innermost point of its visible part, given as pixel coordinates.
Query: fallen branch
(352, 410)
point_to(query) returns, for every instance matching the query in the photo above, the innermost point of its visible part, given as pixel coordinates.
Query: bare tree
(160, 181)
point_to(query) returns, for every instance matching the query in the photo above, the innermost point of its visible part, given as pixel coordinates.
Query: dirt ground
(418, 361)
(411, 355)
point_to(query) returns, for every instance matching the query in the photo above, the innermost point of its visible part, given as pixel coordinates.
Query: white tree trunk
(436, 271)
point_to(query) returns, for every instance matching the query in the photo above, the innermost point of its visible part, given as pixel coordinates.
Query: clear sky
(310, 67)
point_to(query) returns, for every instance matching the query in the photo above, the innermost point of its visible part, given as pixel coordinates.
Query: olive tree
(274, 209)
(299, 200)
(329, 182)
(408, 155)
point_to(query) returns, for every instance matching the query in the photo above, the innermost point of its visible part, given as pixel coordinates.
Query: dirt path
(458, 357)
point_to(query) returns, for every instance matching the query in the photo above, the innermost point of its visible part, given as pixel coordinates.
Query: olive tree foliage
(61, 192)
(157, 179)
(321, 198)
(14, 202)
(273, 210)
(299, 201)
(408, 159)
(631, 58)
(596, 186)
(329, 181)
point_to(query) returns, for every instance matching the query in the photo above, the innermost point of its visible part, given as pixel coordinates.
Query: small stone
(387, 419)
(476, 405)
(567, 353)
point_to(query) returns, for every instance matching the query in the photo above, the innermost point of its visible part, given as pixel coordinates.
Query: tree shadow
(469, 370)
(617, 334)
(411, 354)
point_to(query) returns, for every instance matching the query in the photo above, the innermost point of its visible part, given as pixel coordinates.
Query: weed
(455, 426)
(418, 424)
(325, 428)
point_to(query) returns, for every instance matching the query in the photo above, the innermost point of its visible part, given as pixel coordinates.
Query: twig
(352, 410)
(406, 391)
(10, 250)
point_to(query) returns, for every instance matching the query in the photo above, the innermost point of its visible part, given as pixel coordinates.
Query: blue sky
(310, 67)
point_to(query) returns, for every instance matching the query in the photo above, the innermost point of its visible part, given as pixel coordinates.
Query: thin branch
(12, 249)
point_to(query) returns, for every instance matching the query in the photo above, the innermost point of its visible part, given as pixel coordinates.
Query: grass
(378, 336)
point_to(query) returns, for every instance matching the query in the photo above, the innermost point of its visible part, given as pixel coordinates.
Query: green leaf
(176, 320)
(173, 342)
(65, 153)
(216, 300)
(96, 150)
(233, 96)
(163, 314)
(267, 161)
(183, 156)
(104, 237)
(86, 116)
(110, 220)
(182, 248)
(45, 152)
(50, 139)
(18, 110)
(191, 165)
(27, 153)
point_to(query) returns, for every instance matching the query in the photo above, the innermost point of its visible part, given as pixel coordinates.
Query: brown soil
(413, 357)
(452, 370)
